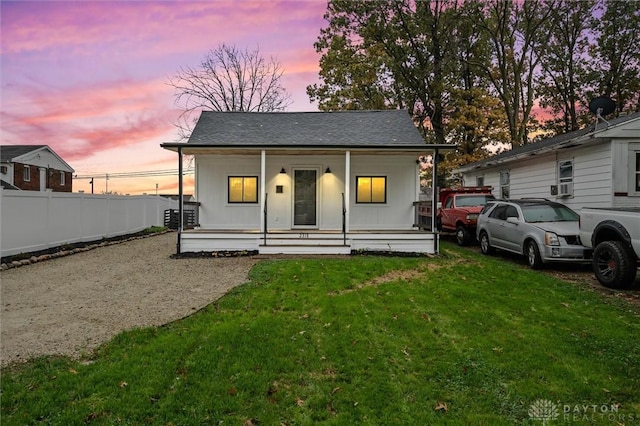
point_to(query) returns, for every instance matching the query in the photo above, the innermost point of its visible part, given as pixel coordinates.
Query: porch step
(304, 249)
(292, 241)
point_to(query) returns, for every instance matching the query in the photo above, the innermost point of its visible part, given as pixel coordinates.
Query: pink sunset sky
(89, 78)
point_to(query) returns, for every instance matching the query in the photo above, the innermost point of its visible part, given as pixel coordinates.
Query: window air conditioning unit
(565, 190)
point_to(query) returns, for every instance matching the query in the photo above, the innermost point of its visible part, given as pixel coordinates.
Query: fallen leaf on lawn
(566, 305)
(336, 390)
(123, 384)
(302, 332)
(606, 390)
(498, 350)
(72, 371)
(299, 402)
(442, 406)
(232, 391)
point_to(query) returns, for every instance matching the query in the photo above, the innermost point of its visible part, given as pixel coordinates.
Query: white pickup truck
(614, 235)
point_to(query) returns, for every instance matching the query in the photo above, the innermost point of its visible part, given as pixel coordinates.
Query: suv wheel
(463, 236)
(613, 265)
(485, 246)
(532, 254)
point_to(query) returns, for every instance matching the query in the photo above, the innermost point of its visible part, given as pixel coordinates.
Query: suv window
(500, 212)
(512, 212)
(503, 211)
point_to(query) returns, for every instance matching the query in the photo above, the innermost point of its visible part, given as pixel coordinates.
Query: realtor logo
(544, 410)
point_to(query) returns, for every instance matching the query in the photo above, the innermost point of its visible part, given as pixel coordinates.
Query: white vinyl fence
(32, 221)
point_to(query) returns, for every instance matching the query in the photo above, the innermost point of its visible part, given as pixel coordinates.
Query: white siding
(397, 214)
(533, 177)
(402, 187)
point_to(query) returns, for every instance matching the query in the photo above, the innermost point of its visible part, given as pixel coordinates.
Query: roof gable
(9, 152)
(565, 140)
(306, 129)
(30, 154)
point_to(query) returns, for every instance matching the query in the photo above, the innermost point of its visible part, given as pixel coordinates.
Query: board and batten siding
(403, 188)
(397, 213)
(211, 191)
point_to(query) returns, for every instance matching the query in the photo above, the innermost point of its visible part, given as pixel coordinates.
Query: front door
(305, 198)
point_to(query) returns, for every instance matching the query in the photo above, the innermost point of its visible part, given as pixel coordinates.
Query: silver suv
(540, 230)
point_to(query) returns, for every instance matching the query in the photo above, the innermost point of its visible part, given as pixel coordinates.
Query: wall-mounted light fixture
(328, 170)
(283, 171)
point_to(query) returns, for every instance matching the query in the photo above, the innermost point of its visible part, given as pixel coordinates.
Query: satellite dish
(602, 106)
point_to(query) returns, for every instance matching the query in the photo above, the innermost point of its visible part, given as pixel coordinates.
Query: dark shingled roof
(563, 140)
(9, 152)
(306, 129)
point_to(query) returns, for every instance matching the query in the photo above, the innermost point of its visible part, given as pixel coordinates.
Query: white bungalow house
(306, 182)
(598, 166)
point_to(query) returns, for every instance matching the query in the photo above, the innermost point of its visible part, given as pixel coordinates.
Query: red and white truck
(460, 208)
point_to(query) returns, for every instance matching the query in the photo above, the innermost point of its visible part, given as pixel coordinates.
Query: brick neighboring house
(34, 168)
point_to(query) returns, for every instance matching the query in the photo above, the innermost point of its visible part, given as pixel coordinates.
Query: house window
(26, 174)
(371, 189)
(3, 170)
(637, 173)
(243, 189)
(504, 184)
(62, 179)
(565, 178)
(480, 181)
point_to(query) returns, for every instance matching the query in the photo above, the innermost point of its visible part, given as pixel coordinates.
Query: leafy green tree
(616, 53)
(389, 53)
(563, 83)
(515, 30)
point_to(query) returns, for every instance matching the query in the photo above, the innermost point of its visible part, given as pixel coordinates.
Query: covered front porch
(297, 201)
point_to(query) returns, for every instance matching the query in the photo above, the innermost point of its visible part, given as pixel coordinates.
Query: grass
(457, 340)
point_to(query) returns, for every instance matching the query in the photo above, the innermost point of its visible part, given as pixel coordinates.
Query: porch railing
(344, 221)
(422, 215)
(264, 230)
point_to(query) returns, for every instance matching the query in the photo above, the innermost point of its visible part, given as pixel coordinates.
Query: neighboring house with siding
(598, 166)
(34, 168)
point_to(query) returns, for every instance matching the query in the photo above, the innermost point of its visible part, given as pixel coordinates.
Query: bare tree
(228, 79)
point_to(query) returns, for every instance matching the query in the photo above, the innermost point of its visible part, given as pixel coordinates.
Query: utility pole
(106, 183)
(156, 189)
(91, 182)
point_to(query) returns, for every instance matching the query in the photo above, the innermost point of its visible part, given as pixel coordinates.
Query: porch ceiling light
(328, 170)
(283, 171)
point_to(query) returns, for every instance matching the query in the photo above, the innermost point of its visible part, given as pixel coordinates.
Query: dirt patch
(71, 305)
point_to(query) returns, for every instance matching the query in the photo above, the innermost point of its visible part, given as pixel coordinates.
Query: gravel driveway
(72, 304)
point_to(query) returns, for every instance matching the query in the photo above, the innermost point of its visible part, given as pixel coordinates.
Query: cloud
(80, 122)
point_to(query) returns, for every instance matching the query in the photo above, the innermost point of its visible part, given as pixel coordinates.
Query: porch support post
(434, 202)
(180, 199)
(263, 186)
(347, 182)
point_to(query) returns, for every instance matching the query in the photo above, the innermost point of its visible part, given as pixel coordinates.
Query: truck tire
(485, 246)
(463, 236)
(613, 265)
(532, 254)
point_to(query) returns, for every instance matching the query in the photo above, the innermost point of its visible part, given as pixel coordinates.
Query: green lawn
(461, 339)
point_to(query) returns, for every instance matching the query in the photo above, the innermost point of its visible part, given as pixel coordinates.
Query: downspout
(434, 202)
(180, 199)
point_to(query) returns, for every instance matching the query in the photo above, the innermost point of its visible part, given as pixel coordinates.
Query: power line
(148, 173)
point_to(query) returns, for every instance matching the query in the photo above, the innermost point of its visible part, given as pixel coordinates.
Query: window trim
(565, 180)
(358, 177)
(26, 173)
(506, 184)
(243, 177)
(634, 171)
(63, 178)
